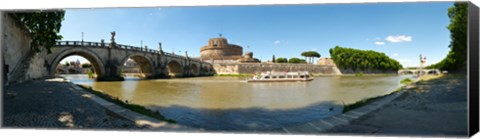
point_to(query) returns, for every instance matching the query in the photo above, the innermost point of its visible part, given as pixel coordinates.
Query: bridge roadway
(109, 58)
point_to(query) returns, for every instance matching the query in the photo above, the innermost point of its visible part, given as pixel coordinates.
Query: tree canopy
(43, 25)
(311, 55)
(296, 60)
(456, 59)
(281, 60)
(349, 58)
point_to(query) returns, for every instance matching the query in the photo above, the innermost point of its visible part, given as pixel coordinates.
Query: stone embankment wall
(251, 68)
(21, 63)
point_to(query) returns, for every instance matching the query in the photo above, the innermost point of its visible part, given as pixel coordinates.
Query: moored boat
(282, 77)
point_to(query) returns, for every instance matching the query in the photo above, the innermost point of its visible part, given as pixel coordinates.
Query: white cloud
(395, 55)
(314, 49)
(399, 38)
(379, 43)
(276, 42)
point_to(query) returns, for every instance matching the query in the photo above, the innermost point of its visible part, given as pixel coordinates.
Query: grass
(360, 74)
(369, 74)
(136, 108)
(430, 77)
(235, 75)
(406, 81)
(364, 102)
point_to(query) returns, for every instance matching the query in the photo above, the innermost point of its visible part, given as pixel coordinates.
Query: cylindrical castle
(219, 49)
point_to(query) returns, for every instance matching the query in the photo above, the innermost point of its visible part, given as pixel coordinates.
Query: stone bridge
(419, 71)
(108, 60)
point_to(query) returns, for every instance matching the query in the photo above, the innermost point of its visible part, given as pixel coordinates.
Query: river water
(232, 104)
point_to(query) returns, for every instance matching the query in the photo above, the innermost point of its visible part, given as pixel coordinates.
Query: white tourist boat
(281, 77)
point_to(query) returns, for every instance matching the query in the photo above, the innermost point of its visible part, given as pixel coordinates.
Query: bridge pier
(112, 73)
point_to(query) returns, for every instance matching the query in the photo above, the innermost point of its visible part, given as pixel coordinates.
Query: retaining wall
(251, 68)
(21, 63)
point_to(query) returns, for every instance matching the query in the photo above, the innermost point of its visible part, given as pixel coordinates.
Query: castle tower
(220, 49)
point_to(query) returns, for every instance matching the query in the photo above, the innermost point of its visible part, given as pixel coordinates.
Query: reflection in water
(230, 103)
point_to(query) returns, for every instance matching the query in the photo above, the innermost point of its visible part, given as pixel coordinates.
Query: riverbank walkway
(436, 107)
(56, 104)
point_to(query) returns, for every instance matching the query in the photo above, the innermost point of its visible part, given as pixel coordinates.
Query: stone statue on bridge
(112, 40)
(160, 48)
(113, 36)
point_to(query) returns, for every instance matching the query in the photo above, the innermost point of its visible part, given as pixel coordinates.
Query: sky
(402, 31)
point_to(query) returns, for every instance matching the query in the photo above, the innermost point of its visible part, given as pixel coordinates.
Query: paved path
(47, 104)
(431, 108)
(58, 104)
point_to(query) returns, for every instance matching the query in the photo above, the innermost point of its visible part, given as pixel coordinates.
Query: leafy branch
(43, 25)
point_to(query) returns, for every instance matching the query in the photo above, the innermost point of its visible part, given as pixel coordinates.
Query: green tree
(456, 59)
(281, 60)
(311, 55)
(296, 60)
(67, 64)
(86, 65)
(43, 25)
(348, 58)
(273, 58)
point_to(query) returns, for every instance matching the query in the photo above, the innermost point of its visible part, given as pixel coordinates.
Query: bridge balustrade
(121, 46)
(79, 43)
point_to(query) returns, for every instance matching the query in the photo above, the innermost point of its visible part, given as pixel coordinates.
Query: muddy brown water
(232, 104)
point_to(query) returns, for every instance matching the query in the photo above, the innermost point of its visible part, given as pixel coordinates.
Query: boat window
(281, 76)
(267, 77)
(301, 76)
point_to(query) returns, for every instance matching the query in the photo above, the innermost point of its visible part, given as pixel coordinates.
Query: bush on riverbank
(406, 81)
(360, 74)
(136, 108)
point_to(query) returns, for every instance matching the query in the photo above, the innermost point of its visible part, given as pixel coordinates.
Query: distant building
(325, 61)
(131, 66)
(74, 67)
(130, 63)
(219, 50)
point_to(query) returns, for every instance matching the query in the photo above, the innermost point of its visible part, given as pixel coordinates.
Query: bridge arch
(175, 69)
(93, 58)
(194, 69)
(204, 69)
(145, 63)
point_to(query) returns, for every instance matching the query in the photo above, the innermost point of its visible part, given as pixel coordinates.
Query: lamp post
(82, 38)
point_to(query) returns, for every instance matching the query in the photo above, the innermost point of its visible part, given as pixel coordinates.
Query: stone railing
(120, 46)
